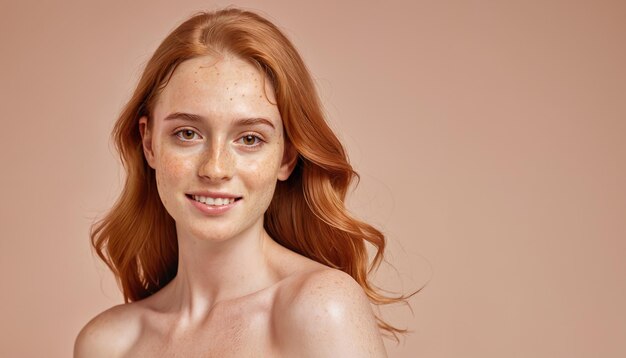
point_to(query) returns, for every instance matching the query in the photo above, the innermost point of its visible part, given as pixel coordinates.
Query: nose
(217, 163)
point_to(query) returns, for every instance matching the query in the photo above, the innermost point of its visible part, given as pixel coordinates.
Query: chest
(227, 332)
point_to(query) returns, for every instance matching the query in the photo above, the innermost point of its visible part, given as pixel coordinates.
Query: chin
(212, 235)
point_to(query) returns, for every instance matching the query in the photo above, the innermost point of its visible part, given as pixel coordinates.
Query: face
(216, 135)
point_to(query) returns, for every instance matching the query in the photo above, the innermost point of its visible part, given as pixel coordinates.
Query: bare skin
(237, 292)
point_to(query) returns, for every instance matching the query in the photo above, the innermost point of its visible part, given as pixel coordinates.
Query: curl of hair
(137, 238)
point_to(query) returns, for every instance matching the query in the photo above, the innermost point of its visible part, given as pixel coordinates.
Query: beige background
(490, 135)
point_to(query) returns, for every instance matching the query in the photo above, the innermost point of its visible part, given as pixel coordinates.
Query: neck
(210, 271)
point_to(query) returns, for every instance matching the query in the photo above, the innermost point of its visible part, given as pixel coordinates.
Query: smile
(213, 201)
(212, 206)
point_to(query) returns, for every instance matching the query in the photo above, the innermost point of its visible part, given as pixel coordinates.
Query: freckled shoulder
(109, 334)
(326, 313)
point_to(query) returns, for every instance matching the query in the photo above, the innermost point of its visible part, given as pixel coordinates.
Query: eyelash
(259, 140)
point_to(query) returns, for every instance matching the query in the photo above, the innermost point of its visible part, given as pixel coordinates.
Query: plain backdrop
(490, 137)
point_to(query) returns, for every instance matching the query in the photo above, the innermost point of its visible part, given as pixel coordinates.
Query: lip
(214, 194)
(211, 210)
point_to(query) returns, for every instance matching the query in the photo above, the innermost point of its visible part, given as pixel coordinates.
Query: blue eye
(185, 131)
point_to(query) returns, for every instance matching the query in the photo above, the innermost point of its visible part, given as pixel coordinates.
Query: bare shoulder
(326, 313)
(109, 334)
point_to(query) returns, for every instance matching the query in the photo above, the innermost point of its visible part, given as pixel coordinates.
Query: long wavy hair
(137, 238)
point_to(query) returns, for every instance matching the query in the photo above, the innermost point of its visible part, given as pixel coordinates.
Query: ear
(290, 158)
(146, 140)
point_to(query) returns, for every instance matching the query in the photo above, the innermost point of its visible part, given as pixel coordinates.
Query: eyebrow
(238, 122)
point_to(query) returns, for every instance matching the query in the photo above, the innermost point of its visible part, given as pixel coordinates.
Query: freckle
(231, 98)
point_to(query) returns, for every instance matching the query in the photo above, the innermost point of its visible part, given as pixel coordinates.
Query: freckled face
(213, 152)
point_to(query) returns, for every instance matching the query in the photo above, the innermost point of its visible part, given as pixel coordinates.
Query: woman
(231, 237)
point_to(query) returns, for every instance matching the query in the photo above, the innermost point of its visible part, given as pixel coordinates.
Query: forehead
(216, 87)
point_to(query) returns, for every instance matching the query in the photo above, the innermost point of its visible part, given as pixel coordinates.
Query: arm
(329, 315)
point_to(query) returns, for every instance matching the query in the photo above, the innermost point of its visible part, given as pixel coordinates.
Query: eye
(250, 140)
(187, 134)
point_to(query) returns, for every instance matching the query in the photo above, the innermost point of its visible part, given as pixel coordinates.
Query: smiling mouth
(212, 201)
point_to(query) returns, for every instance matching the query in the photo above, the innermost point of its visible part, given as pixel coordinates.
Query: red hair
(137, 238)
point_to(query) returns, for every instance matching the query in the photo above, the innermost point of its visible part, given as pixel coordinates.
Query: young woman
(231, 238)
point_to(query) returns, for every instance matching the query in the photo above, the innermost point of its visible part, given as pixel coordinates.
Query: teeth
(213, 201)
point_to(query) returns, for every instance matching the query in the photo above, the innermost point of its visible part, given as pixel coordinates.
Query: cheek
(170, 171)
(260, 173)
